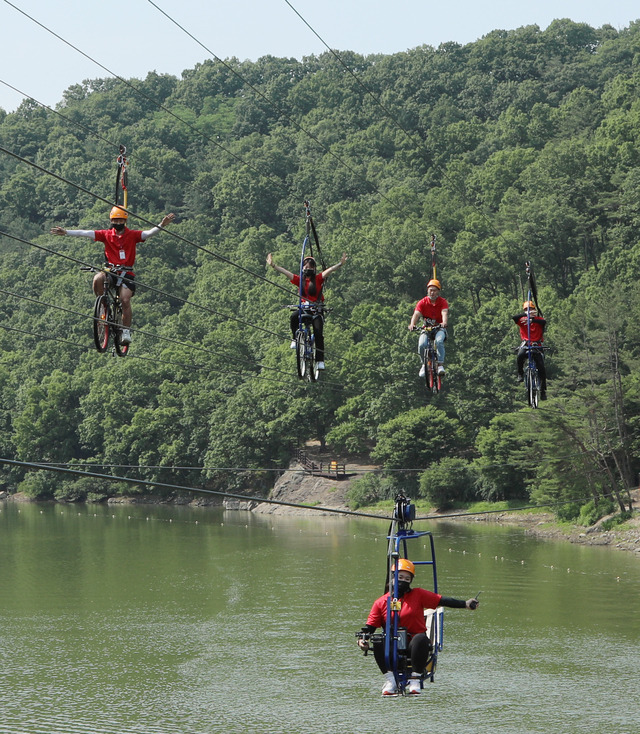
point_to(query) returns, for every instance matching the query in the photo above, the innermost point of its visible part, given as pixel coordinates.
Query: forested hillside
(521, 146)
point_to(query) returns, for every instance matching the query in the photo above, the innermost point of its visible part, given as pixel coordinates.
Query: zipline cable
(261, 500)
(183, 488)
(376, 99)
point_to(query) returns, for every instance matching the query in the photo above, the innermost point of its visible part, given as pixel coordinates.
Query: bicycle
(306, 342)
(107, 312)
(532, 381)
(430, 360)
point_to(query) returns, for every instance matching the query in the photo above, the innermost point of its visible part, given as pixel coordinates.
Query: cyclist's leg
(419, 651)
(441, 335)
(522, 357)
(542, 371)
(125, 294)
(99, 283)
(318, 323)
(378, 654)
(422, 345)
(294, 322)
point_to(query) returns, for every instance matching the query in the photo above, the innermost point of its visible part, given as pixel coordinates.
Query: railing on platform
(332, 469)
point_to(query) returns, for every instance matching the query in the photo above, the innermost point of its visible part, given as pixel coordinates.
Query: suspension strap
(122, 179)
(532, 287)
(311, 229)
(433, 256)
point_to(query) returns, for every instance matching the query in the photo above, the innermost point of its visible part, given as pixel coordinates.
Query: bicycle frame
(107, 315)
(305, 341)
(430, 360)
(532, 378)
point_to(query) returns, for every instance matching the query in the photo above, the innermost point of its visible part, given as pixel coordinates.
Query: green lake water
(173, 620)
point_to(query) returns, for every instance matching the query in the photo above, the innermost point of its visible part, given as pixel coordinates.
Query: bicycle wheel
(532, 383)
(121, 349)
(433, 379)
(427, 372)
(101, 323)
(300, 360)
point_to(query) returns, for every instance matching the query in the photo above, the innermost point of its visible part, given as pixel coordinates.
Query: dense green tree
(520, 146)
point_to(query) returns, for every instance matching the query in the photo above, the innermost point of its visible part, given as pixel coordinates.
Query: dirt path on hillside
(300, 488)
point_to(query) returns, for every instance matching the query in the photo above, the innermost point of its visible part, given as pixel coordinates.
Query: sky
(132, 38)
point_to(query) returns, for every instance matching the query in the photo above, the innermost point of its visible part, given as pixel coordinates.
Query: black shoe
(543, 395)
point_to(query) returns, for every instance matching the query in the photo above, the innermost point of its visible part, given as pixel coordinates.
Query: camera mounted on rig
(404, 511)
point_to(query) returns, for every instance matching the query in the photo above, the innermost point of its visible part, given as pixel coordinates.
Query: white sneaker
(440, 369)
(389, 688)
(320, 365)
(293, 344)
(422, 372)
(413, 687)
(125, 337)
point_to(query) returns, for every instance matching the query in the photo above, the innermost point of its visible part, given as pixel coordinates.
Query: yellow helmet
(404, 564)
(435, 282)
(118, 213)
(528, 304)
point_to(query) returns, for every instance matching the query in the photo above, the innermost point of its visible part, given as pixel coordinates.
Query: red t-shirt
(414, 602)
(119, 249)
(306, 296)
(536, 330)
(432, 311)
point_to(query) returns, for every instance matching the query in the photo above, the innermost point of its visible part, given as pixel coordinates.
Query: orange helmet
(435, 282)
(117, 213)
(528, 304)
(308, 258)
(404, 564)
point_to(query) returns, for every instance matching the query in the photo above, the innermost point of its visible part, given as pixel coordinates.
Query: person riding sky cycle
(434, 309)
(311, 293)
(531, 338)
(413, 603)
(120, 255)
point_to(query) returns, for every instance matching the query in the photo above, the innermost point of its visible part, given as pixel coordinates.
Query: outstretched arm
(165, 221)
(448, 601)
(61, 232)
(277, 268)
(333, 268)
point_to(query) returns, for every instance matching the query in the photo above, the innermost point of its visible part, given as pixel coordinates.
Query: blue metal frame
(398, 548)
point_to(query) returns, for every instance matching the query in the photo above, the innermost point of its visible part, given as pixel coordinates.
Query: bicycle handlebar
(531, 345)
(309, 306)
(431, 329)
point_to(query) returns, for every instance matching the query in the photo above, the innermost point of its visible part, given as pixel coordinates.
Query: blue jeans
(441, 335)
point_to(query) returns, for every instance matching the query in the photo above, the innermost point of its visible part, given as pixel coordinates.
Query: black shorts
(127, 280)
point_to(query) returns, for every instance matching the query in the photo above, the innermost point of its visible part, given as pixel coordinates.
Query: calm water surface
(186, 620)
